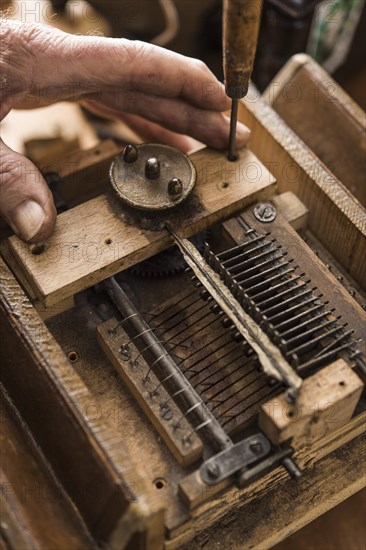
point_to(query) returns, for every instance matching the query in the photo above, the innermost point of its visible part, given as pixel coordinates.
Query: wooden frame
(335, 216)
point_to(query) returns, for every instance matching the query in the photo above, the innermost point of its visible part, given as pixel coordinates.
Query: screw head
(175, 187)
(255, 447)
(265, 212)
(213, 470)
(130, 154)
(166, 412)
(125, 353)
(152, 168)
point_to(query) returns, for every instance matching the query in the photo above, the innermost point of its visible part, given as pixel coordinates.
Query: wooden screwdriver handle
(241, 20)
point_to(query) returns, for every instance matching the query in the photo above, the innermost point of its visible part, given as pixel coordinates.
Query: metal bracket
(234, 458)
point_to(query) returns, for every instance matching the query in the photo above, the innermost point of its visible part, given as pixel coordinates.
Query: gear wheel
(169, 262)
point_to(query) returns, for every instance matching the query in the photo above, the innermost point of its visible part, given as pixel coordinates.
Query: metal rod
(300, 327)
(292, 321)
(268, 281)
(288, 312)
(240, 247)
(304, 335)
(232, 134)
(272, 290)
(307, 346)
(245, 225)
(261, 276)
(312, 363)
(244, 253)
(279, 296)
(167, 365)
(257, 269)
(233, 268)
(283, 305)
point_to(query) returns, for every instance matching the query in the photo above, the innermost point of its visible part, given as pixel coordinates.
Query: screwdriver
(241, 20)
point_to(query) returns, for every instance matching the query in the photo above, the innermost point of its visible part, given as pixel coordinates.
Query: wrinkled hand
(163, 96)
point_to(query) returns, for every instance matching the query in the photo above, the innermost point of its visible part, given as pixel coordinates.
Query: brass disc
(130, 179)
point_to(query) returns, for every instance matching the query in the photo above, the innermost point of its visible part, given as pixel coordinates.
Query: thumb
(26, 202)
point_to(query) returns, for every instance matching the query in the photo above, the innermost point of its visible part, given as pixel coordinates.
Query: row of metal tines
(266, 284)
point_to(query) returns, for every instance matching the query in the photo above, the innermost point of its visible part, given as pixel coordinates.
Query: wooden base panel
(142, 381)
(92, 242)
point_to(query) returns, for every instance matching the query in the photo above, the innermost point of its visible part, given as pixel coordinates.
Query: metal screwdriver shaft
(232, 135)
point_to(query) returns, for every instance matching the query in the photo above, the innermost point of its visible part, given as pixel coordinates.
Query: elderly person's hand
(163, 96)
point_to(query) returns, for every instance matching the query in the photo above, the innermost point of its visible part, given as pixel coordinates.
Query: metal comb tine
(307, 346)
(244, 280)
(304, 324)
(236, 249)
(271, 279)
(282, 307)
(258, 269)
(265, 303)
(273, 289)
(250, 261)
(293, 320)
(290, 310)
(317, 361)
(301, 337)
(246, 253)
(341, 337)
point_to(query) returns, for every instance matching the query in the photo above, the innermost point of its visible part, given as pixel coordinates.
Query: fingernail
(27, 219)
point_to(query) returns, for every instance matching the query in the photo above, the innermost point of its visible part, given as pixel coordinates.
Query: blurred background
(331, 31)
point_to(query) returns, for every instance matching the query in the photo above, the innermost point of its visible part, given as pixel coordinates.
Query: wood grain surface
(326, 402)
(92, 242)
(80, 446)
(336, 217)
